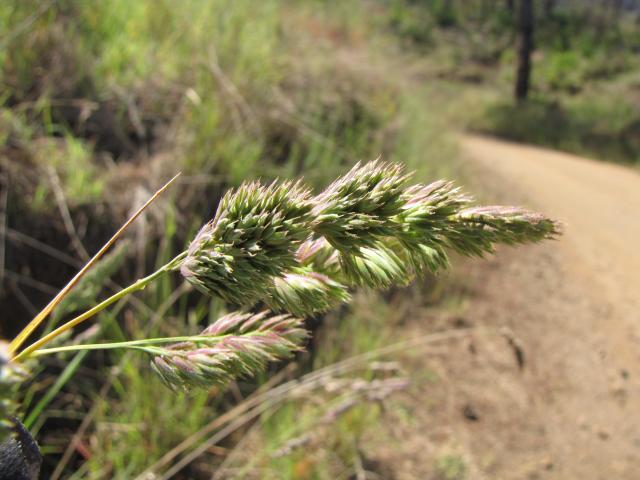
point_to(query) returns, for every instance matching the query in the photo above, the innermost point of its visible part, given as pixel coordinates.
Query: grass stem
(134, 287)
(137, 344)
(40, 317)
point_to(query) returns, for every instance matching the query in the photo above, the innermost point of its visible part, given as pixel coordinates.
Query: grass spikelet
(440, 216)
(321, 257)
(359, 208)
(253, 237)
(305, 292)
(376, 267)
(477, 229)
(237, 345)
(427, 210)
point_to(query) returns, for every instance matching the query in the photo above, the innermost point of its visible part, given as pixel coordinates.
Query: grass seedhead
(298, 253)
(305, 292)
(278, 245)
(253, 237)
(237, 345)
(360, 208)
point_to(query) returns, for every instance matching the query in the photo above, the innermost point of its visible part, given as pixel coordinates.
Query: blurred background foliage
(100, 102)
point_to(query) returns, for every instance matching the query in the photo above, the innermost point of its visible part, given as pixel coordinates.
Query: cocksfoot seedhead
(294, 252)
(280, 246)
(360, 208)
(253, 238)
(478, 229)
(305, 292)
(237, 345)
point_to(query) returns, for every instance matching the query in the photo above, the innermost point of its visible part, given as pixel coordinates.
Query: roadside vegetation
(583, 94)
(100, 102)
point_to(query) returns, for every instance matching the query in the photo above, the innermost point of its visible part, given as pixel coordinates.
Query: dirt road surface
(571, 408)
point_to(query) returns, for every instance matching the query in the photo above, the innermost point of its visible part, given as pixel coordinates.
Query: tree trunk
(617, 10)
(510, 5)
(548, 7)
(525, 48)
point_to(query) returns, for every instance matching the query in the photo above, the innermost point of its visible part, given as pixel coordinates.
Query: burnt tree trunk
(525, 48)
(548, 7)
(510, 5)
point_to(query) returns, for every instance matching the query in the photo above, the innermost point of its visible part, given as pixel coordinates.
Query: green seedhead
(361, 207)
(253, 237)
(304, 292)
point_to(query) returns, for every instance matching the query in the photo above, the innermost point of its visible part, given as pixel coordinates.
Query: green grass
(584, 97)
(451, 467)
(602, 128)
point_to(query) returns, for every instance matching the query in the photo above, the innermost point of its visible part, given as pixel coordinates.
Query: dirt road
(572, 409)
(587, 330)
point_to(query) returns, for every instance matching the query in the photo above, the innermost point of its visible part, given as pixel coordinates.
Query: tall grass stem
(134, 287)
(17, 342)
